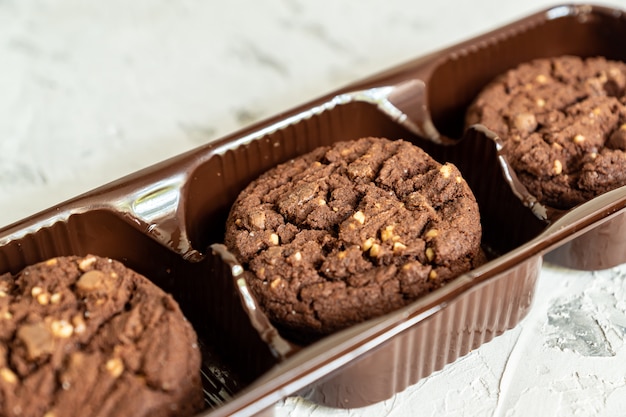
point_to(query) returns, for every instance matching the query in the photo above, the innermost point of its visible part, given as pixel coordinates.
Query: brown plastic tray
(167, 222)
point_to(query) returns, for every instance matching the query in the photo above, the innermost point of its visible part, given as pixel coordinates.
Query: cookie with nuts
(86, 336)
(563, 124)
(352, 231)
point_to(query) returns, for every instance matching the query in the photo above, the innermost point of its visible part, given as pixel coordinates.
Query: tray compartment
(233, 353)
(462, 325)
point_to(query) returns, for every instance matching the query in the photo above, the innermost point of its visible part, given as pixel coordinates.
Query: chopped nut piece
(274, 240)
(367, 244)
(398, 247)
(335, 209)
(275, 283)
(36, 338)
(430, 254)
(238, 222)
(525, 122)
(61, 329)
(445, 170)
(79, 324)
(540, 102)
(375, 250)
(341, 255)
(257, 219)
(36, 291)
(407, 266)
(432, 274)
(7, 315)
(2, 294)
(558, 167)
(43, 298)
(8, 375)
(115, 367)
(321, 202)
(274, 252)
(458, 179)
(386, 233)
(91, 281)
(541, 79)
(579, 139)
(51, 262)
(55, 298)
(359, 217)
(297, 256)
(86, 263)
(50, 414)
(432, 233)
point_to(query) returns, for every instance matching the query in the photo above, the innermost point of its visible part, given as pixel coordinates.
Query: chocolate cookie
(563, 124)
(85, 336)
(352, 231)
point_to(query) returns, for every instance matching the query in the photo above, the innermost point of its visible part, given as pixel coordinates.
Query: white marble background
(93, 90)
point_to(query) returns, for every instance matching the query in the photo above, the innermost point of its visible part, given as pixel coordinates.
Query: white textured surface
(93, 90)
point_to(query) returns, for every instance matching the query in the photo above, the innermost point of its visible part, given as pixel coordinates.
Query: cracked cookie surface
(563, 124)
(352, 231)
(86, 336)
